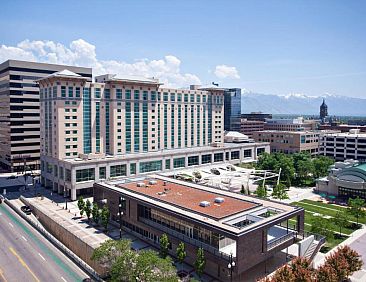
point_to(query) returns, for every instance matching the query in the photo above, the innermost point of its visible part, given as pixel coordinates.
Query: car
(26, 209)
(12, 177)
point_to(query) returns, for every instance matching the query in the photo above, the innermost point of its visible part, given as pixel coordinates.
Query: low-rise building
(345, 145)
(258, 116)
(289, 142)
(296, 124)
(228, 226)
(346, 179)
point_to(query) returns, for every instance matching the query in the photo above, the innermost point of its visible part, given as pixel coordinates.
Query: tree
(356, 208)
(150, 267)
(341, 220)
(95, 213)
(164, 245)
(284, 274)
(181, 252)
(109, 251)
(321, 165)
(338, 264)
(88, 209)
(197, 174)
(200, 262)
(279, 192)
(301, 269)
(325, 273)
(321, 226)
(81, 205)
(353, 259)
(305, 168)
(105, 214)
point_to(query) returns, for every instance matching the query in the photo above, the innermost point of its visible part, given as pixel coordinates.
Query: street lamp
(65, 196)
(120, 213)
(231, 266)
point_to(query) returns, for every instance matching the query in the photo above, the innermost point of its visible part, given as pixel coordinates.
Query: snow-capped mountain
(302, 104)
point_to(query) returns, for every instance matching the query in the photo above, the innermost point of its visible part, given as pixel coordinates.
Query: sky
(275, 47)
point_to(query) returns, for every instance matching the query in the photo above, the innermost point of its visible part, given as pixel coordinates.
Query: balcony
(187, 239)
(278, 235)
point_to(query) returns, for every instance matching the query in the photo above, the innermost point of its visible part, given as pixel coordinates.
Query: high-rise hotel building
(19, 111)
(128, 126)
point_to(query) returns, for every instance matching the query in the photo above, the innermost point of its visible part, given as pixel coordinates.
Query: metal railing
(88, 269)
(186, 238)
(280, 240)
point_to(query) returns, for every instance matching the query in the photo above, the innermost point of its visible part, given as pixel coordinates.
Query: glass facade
(172, 122)
(218, 157)
(118, 170)
(192, 125)
(209, 118)
(85, 174)
(107, 137)
(179, 162)
(205, 159)
(193, 160)
(145, 126)
(165, 126)
(128, 127)
(86, 121)
(102, 173)
(186, 124)
(97, 126)
(150, 166)
(136, 123)
(132, 169)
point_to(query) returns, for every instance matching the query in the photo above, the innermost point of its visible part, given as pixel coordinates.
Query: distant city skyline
(275, 47)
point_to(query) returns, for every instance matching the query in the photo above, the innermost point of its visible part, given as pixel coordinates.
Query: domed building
(346, 179)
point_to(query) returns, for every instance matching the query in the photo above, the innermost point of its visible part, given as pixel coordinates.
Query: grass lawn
(330, 210)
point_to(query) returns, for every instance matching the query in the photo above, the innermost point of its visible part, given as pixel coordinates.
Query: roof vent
(205, 204)
(219, 200)
(152, 182)
(141, 184)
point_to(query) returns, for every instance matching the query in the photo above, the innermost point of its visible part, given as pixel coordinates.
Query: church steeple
(323, 110)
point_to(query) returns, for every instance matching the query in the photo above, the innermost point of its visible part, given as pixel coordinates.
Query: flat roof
(189, 198)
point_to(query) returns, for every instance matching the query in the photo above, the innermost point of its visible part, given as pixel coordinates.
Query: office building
(256, 116)
(228, 226)
(248, 127)
(127, 126)
(296, 124)
(345, 145)
(289, 142)
(19, 111)
(346, 179)
(232, 106)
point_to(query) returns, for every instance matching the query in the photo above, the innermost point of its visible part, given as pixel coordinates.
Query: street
(25, 255)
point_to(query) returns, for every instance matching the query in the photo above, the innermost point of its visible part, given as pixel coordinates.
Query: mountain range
(300, 104)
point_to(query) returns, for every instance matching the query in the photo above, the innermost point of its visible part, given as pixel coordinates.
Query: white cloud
(224, 71)
(82, 53)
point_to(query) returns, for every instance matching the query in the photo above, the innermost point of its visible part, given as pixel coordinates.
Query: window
(185, 97)
(107, 94)
(136, 95)
(260, 151)
(67, 175)
(206, 159)
(61, 172)
(193, 160)
(77, 92)
(153, 95)
(235, 155)
(218, 157)
(132, 169)
(144, 95)
(97, 93)
(102, 173)
(165, 97)
(167, 164)
(179, 162)
(85, 174)
(118, 170)
(172, 97)
(179, 97)
(71, 92)
(128, 94)
(247, 153)
(119, 94)
(150, 166)
(192, 98)
(63, 91)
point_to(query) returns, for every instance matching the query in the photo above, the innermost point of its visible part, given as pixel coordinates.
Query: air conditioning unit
(153, 182)
(219, 200)
(205, 204)
(141, 184)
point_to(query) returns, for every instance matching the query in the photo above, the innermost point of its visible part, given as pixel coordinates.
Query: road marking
(2, 275)
(24, 264)
(63, 279)
(11, 225)
(24, 238)
(41, 256)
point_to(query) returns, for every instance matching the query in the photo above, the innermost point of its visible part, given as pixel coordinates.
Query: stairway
(310, 251)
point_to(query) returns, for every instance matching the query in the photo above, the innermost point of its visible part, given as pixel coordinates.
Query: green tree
(261, 191)
(81, 205)
(321, 226)
(109, 251)
(286, 164)
(105, 214)
(356, 208)
(200, 262)
(88, 209)
(321, 166)
(95, 213)
(150, 267)
(341, 220)
(181, 252)
(164, 245)
(279, 192)
(284, 274)
(305, 169)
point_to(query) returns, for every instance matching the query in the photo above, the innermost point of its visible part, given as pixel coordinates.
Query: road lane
(42, 259)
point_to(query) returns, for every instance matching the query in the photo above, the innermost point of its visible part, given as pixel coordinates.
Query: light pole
(120, 213)
(231, 266)
(66, 198)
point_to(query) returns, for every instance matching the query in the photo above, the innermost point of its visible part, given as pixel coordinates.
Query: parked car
(26, 209)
